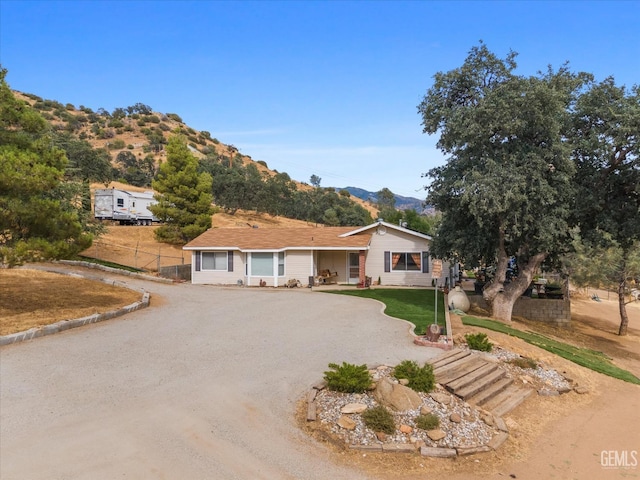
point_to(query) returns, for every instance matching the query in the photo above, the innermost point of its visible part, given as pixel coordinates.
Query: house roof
(274, 239)
(376, 226)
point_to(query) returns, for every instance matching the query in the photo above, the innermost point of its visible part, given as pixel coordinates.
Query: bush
(117, 144)
(348, 378)
(379, 419)
(478, 341)
(429, 421)
(174, 116)
(524, 362)
(421, 379)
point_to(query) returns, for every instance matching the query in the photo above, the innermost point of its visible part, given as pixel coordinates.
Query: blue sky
(327, 88)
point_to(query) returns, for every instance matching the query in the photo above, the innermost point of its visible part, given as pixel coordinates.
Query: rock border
(440, 452)
(63, 325)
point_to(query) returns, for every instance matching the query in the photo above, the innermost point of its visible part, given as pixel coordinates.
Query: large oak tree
(506, 189)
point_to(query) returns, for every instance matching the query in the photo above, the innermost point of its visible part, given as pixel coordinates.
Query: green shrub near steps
(421, 379)
(478, 341)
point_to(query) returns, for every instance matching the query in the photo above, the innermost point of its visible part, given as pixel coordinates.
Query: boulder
(396, 396)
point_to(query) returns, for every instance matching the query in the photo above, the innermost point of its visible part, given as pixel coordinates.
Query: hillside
(402, 203)
(139, 134)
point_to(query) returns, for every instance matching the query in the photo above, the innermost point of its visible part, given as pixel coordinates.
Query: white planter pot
(458, 300)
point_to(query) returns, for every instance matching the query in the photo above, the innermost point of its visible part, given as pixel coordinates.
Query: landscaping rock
(353, 408)
(436, 435)
(347, 423)
(455, 418)
(424, 410)
(443, 398)
(406, 429)
(396, 396)
(580, 390)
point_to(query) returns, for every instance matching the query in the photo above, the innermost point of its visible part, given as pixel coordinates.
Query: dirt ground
(135, 246)
(551, 437)
(32, 298)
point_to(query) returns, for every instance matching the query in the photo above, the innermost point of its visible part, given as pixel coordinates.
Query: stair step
(507, 400)
(453, 365)
(461, 370)
(482, 383)
(491, 391)
(472, 377)
(449, 357)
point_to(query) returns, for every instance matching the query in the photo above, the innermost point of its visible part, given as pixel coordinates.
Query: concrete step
(481, 384)
(490, 391)
(459, 370)
(507, 400)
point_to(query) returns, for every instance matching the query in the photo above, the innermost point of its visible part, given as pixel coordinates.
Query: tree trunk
(624, 319)
(501, 297)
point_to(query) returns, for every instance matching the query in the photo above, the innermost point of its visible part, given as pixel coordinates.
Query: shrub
(117, 144)
(164, 127)
(524, 362)
(216, 141)
(130, 147)
(429, 421)
(421, 379)
(478, 341)
(379, 419)
(174, 116)
(348, 378)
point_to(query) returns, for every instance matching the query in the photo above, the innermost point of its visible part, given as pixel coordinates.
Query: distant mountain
(402, 203)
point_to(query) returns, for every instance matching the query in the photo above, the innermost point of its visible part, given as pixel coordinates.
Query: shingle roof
(316, 238)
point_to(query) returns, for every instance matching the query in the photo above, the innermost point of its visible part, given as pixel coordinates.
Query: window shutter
(230, 261)
(387, 261)
(197, 260)
(425, 262)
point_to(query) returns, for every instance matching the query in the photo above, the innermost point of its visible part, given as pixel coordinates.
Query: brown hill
(142, 134)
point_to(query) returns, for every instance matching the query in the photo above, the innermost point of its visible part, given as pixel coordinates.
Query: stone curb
(63, 325)
(439, 452)
(96, 266)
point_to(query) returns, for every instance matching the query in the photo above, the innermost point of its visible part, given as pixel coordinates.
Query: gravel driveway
(201, 385)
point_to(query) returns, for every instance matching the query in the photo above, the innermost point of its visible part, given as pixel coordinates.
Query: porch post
(361, 269)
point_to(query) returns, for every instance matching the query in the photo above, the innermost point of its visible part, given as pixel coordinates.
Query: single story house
(351, 255)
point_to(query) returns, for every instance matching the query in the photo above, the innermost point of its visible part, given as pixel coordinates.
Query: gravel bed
(471, 431)
(476, 426)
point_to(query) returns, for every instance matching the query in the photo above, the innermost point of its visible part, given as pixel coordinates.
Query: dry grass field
(32, 298)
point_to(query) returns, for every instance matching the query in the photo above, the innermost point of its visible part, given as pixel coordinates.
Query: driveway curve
(203, 384)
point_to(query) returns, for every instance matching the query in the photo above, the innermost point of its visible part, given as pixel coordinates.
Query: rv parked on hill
(128, 208)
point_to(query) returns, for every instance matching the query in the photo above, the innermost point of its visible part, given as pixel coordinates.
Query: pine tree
(39, 215)
(184, 195)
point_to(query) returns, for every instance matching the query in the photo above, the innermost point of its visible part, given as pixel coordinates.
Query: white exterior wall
(396, 241)
(298, 264)
(219, 277)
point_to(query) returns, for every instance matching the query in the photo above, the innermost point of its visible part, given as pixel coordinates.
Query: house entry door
(354, 267)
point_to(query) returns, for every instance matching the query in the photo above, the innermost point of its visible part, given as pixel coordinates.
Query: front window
(281, 264)
(406, 261)
(262, 264)
(214, 261)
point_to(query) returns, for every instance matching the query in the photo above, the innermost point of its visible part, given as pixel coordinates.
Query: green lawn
(594, 360)
(416, 305)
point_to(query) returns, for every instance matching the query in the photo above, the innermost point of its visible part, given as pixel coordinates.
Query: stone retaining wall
(556, 312)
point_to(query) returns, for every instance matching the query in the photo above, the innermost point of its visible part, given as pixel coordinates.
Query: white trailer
(128, 208)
